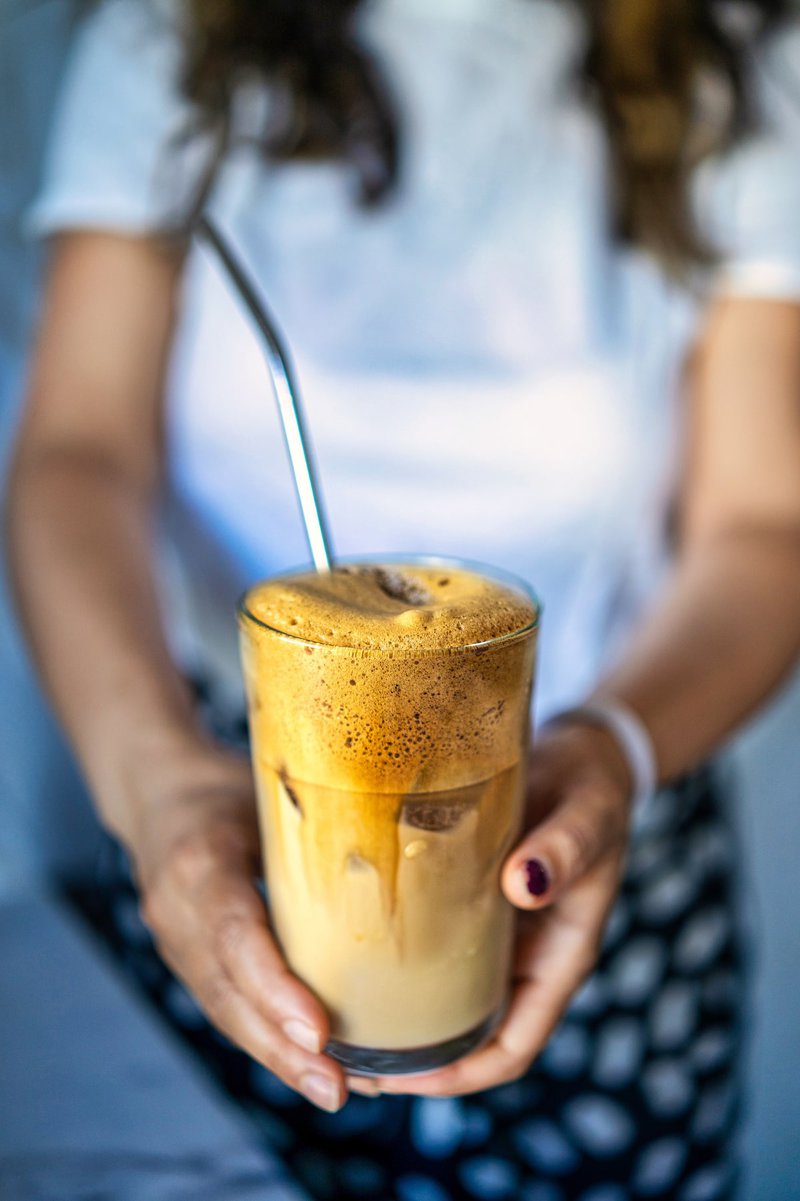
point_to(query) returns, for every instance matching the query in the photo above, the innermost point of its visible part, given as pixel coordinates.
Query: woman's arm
(84, 484)
(726, 632)
(728, 628)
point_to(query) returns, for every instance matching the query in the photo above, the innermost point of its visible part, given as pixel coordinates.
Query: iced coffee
(389, 717)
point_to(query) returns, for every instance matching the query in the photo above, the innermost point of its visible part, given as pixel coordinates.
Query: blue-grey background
(46, 826)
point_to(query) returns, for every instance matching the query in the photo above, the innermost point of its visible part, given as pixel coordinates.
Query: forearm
(724, 636)
(80, 543)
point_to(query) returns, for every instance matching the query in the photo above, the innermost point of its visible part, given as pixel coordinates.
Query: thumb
(556, 853)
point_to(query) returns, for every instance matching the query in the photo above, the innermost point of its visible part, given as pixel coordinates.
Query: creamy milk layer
(388, 732)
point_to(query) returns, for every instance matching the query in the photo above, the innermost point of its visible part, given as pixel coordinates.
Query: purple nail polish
(536, 877)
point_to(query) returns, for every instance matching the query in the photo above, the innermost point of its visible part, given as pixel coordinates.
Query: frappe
(389, 715)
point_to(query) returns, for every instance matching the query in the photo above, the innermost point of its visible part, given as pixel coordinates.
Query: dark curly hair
(647, 64)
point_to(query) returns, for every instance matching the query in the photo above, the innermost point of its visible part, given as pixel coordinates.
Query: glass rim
(500, 574)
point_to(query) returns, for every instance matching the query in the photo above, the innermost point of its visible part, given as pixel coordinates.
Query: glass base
(372, 1061)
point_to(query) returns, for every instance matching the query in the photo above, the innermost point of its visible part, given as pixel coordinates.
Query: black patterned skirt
(635, 1096)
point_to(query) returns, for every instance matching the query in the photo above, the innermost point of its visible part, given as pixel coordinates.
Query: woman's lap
(636, 1094)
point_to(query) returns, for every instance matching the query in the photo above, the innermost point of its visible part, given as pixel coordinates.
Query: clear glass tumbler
(390, 788)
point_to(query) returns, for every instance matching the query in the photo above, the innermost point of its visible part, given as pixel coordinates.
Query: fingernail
(536, 877)
(322, 1091)
(363, 1085)
(303, 1035)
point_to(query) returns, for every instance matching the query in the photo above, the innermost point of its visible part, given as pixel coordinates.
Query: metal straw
(287, 395)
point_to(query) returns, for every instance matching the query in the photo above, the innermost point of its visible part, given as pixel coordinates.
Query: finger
(318, 1078)
(222, 921)
(367, 1086)
(556, 961)
(563, 848)
(523, 1033)
(242, 943)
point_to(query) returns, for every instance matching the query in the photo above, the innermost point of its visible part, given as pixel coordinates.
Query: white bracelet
(632, 738)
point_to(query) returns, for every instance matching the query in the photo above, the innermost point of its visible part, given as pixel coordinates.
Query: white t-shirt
(485, 373)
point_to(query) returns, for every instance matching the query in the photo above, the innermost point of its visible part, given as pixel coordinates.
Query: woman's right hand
(196, 858)
(87, 473)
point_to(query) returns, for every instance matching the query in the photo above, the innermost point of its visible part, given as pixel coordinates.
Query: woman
(541, 270)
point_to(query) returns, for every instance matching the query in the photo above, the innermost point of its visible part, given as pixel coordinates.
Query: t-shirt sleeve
(749, 199)
(124, 152)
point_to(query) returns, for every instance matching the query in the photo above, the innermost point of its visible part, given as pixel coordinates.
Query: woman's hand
(196, 858)
(564, 876)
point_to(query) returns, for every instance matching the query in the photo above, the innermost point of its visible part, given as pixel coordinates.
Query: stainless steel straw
(286, 393)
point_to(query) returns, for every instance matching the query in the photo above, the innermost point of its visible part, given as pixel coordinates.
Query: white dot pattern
(600, 1125)
(659, 1166)
(620, 1047)
(567, 1053)
(668, 1087)
(544, 1146)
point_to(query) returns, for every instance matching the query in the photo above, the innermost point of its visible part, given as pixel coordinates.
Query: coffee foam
(392, 607)
(390, 679)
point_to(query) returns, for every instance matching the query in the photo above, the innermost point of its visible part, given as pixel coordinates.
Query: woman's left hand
(578, 819)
